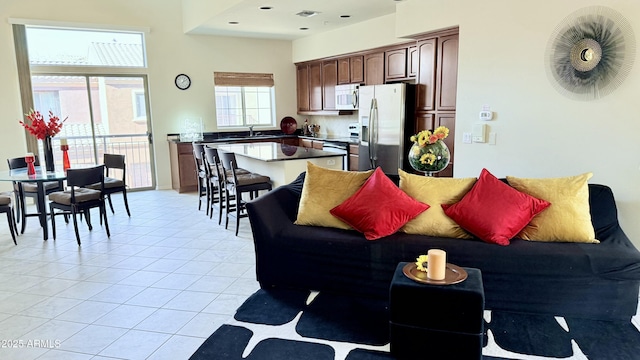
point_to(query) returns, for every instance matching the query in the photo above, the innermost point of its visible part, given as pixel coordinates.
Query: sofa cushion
(325, 189)
(379, 208)
(568, 218)
(435, 192)
(494, 211)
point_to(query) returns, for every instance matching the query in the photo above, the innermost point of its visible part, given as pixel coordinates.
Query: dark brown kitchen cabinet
(351, 70)
(374, 68)
(424, 121)
(356, 65)
(413, 61)
(183, 167)
(426, 78)
(315, 86)
(447, 73)
(447, 119)
(302, 82)
(395, 64)
(329, 82)
(437, 73)
(344, 71)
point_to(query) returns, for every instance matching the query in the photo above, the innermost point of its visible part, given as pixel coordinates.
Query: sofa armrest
(273, 211)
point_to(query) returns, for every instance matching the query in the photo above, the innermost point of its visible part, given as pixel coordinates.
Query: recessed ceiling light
(307, 13)
(266, 7)
(303, 28)
(233, 23)
(345, 16)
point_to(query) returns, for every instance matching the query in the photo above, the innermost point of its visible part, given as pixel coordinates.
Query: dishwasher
(340, 148)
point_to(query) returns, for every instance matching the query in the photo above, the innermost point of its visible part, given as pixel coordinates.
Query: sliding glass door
(105, 114)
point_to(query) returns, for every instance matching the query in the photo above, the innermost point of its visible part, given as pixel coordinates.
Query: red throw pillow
(494, 211)
(379, 208)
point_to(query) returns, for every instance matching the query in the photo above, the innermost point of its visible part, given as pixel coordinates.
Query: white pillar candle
(63, 141)
(437, 264)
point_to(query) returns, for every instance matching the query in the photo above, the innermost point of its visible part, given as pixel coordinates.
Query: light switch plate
(466, 138)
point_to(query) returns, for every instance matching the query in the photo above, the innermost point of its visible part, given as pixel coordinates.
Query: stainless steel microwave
(347, 97)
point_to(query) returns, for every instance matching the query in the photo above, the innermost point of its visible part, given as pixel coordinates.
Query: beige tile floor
(166, 279)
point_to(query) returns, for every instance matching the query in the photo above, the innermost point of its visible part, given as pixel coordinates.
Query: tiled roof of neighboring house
(48, 59)
(98, 54)
(115, 54)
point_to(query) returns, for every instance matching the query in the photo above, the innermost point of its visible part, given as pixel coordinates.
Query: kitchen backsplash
(330, 125)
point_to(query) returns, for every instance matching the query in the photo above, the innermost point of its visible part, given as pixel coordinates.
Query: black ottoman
(436, 321)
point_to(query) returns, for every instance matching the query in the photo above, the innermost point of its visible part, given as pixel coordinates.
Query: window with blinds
(244, 99)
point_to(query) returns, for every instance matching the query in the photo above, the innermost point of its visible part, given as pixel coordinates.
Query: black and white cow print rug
(299, 325)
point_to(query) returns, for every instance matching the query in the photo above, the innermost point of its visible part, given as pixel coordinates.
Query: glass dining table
(39, 178)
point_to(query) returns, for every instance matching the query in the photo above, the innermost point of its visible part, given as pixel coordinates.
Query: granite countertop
(273, 134)
(270, 151)
(213, 137)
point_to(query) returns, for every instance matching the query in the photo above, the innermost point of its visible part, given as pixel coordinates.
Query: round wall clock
(183, 82)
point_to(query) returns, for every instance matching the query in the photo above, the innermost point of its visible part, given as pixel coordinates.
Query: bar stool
(215, 178)
(238, 184)
(201, 175)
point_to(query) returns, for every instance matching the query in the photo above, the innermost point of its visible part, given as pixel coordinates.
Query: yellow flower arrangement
(421, 262)
(429, 153)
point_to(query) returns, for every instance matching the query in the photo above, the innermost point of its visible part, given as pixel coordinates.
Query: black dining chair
(5, 207)
(79, 199)
(238, 184)
(114, 163)
(23, 190)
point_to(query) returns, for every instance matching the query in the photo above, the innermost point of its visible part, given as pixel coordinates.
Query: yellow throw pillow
(434, 192)
(568, 218)
(324, 189)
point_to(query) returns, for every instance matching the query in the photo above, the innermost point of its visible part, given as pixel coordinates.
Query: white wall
(169, 51)
(540, 133)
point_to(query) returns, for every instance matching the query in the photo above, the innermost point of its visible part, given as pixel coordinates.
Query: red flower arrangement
(40, 128)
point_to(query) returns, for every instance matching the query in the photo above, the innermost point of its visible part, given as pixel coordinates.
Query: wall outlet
(466, 138)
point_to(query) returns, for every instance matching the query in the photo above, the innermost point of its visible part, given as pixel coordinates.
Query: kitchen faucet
(251, 131)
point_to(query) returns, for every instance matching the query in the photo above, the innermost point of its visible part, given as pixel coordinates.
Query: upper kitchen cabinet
(395, 64)
(437, 73)
(357, 69)
(344, 71)
(374, 68)
(351, 70)
(315, 86)
(329, 82)
(412, 66)
(447, 73)
(426, 78)
(302, 82)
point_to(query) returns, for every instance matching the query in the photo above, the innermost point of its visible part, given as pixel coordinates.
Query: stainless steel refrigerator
(385, 116)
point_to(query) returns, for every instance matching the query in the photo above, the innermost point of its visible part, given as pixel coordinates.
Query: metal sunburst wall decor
(590, 53)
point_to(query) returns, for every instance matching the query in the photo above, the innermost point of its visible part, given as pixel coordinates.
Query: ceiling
(281, 21)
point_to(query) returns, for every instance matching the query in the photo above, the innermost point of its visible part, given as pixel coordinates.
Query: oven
(340, 148)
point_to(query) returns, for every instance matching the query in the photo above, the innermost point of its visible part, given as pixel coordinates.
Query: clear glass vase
(429, 158)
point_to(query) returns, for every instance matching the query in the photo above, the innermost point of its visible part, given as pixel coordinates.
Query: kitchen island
(281, 162)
